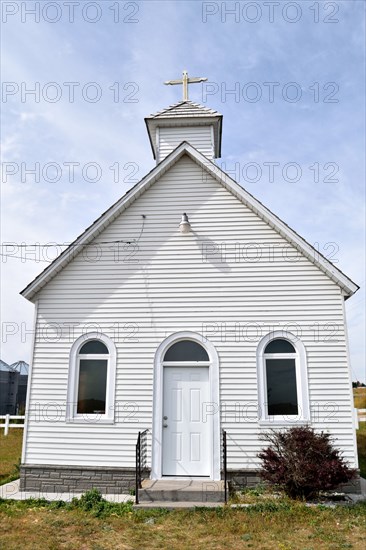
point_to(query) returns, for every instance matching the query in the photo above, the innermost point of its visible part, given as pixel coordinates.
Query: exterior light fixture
(185, 226)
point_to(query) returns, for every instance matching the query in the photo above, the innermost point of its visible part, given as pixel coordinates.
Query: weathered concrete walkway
(11, 491)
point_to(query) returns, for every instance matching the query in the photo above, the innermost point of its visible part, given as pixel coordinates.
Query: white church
(202, 322)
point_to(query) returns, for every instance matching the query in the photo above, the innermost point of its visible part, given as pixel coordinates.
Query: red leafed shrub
(303, 462)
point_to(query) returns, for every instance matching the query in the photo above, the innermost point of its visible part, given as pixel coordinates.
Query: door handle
(165, 425)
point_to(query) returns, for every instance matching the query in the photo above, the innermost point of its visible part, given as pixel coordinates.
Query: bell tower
(185, 121)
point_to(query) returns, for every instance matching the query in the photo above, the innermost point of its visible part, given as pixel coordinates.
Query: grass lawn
(273, 525)
(359, 396)
(10, 452)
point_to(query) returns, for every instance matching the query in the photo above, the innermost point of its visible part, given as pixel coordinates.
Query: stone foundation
(241, 479)
(351, 487)
(76, 479)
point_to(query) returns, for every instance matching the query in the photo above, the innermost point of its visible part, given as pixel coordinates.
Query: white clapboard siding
(169, 285)
(201, 137)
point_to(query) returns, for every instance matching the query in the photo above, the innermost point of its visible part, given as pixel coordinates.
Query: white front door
(186, 425)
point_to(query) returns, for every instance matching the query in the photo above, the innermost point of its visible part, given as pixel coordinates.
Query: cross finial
(185, 80)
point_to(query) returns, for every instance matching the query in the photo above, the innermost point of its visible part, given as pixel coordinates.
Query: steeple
(185, 121)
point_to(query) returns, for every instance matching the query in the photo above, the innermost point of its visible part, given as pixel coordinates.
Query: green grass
(10, 453)
(97, 526)
(271, 524)
(359, 397)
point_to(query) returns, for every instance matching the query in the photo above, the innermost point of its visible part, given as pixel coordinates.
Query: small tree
(303, 462)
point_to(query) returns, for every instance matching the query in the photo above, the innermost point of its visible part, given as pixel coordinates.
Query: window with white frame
(92, 379)
(282, 379)
(186, 350)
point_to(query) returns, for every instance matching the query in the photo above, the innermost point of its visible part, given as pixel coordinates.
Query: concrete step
(170, 490)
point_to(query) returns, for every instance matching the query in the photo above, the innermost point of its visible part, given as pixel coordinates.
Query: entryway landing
(181, 490)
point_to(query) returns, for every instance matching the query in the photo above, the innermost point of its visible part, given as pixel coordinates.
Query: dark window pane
(279, 346)
(186, 350)
(281, 386)
(94, 346)
(92, 386)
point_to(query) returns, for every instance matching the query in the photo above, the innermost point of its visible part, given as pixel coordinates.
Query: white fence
(7, 424)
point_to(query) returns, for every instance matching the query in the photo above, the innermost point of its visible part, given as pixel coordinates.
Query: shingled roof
(185, 109)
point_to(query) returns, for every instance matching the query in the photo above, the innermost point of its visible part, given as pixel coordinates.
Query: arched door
(187, 418)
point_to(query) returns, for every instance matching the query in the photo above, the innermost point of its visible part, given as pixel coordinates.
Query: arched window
(92, 379)
(280, 360)
(282, 379)
(186, 350)
(93, 367)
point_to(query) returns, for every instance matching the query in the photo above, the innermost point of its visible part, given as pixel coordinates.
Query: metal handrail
(224, 463)
(139, 455)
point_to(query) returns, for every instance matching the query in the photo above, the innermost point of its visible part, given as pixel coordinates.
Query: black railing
(224, 463)
(141, 452)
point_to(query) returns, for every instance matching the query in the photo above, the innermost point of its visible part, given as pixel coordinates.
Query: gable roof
(346, 284)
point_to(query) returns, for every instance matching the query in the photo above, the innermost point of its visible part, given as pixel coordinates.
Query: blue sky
(312, 51)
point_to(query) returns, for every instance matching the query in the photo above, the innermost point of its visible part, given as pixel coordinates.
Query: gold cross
(185, 81)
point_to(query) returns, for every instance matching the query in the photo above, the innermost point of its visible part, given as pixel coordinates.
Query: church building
(184, 323)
